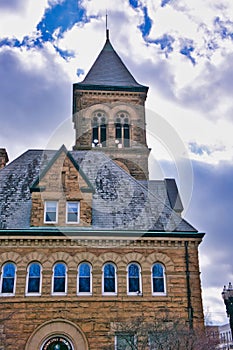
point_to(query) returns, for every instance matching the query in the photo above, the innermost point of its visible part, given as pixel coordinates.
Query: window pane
(103, 135)
(9, 270)
(84, 278)
(158, 285)
(133, 270)
(157, 270)
(109, 270)
(34, 270)
(59, 281)
(33, 285)
(125, 342)
(8, 285)
(109, 285)
(8, 278)
(84, 270)
(59, 285)
(34, 278)
(51, 210)
(126, 135)
(158, 278)
(133, 276)
(95, 137)
(60, 270)
(109, 278)
(72, 212)
(118, 131)
(84, 285)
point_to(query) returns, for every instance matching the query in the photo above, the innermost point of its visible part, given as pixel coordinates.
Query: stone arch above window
(110, 256)
(60, 327)
(99, 129)
(10, 256)
(162, 258)
(135, 256)
(60, 256)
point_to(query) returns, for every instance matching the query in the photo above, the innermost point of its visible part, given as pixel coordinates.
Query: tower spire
(107, 30)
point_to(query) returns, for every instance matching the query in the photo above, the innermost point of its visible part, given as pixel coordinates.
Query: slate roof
(108, 71)
(119, 202)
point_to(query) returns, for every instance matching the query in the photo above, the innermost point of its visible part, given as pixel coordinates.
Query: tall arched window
(122, 130)
(99, 129)
(84, 285)
(33, 283)
(8, 279)
(109, 279)
(134, 281)
(59, 282)
(158, 279)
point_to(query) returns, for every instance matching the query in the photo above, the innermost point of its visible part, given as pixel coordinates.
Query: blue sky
(182, 50)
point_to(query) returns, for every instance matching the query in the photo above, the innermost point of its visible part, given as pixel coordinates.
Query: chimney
(3, 157)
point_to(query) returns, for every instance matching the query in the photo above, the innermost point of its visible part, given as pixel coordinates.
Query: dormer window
(72, 212)
(50, 212)
(122, 130)
(99, 133)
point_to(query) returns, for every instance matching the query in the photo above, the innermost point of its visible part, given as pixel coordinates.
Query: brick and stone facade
(93, 316)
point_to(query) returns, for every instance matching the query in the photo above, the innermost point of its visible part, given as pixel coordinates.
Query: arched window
(134, 281)
(59, 282)
(99, 129)
(158, 279)
(33, 284)
(122, 130)
(84, 285)
(8, 279)
(57, 342)
(109, 279)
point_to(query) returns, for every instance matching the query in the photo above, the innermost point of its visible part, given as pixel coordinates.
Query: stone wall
(94, 315)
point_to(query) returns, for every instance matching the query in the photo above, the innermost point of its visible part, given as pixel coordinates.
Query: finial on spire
(107, 30)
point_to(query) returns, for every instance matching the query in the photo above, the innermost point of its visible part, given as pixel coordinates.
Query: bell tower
(109, 113)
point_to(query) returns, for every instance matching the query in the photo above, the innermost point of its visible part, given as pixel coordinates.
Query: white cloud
(20, 22)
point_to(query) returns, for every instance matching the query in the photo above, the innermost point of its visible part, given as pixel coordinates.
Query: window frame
(78, 212)
(78, 278)
(27, 293)
(5, 294)
(99, 129)
(125, 334)
(164, 280)
(115, 279)
(122, 130)
(66, 279)
(138, 293)
(45, 211)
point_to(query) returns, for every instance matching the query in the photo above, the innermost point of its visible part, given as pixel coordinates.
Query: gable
(60, 186)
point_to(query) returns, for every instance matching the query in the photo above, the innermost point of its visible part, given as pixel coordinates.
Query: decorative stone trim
(70, 241)
(10, 256)
(57, 327)
(161, 258)
(61, 256)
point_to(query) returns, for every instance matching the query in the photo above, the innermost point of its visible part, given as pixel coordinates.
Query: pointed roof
(110, 73)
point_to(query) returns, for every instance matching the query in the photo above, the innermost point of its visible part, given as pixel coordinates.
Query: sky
(182, 50)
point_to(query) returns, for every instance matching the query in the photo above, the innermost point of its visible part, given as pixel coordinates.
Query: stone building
(88, 243)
